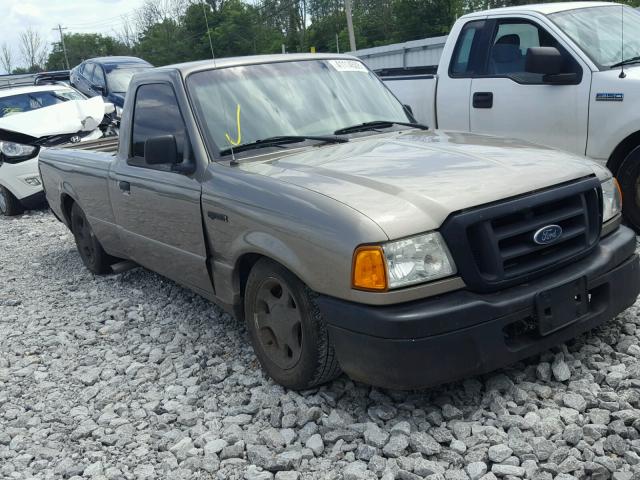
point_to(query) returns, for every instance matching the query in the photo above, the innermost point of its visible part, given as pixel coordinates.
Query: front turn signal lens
(369, 272)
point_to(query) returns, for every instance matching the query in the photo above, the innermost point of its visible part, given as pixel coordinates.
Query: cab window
(155, 113)
(465, 60)
(508, 52)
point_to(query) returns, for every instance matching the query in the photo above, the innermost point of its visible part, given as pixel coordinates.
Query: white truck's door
(454, 77)
(508, 101)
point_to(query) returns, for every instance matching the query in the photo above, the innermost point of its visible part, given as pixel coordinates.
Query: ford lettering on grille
(547, 235)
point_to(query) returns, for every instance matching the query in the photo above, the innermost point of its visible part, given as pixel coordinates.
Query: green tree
(81, 46)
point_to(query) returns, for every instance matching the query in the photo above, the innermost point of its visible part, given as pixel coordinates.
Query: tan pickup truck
(297, 192)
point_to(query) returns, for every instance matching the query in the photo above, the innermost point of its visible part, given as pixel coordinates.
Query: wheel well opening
(67, 203)
(623, 149)
(245, 264)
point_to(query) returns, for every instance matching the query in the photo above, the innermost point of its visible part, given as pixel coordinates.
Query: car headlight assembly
(402, 263)
(13, 152)
(611, 199)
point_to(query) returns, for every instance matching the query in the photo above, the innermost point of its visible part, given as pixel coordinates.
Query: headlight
(418, 259)
(401, 263)
(15, 151)
(611, 199)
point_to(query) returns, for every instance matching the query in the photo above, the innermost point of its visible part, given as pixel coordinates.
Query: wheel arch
(66, 202)
(622, 150)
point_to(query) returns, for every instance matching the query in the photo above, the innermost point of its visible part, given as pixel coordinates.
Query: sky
(82, 16)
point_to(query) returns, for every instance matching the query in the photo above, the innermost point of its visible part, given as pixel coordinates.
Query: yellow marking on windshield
(239, 139)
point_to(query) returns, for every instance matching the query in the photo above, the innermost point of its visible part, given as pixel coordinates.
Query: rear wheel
(9, 204)
(91, 252)
(286, 328)
(629, 177)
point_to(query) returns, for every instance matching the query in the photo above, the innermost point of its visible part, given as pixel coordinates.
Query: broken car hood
(410, 181)
(64, 118)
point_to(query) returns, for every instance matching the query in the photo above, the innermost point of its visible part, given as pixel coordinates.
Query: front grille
(493, 245)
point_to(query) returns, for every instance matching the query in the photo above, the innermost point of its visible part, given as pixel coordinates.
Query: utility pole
(352, 37)
(64, 48)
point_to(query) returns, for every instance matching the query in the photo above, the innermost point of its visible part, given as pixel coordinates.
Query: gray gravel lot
(131, 376)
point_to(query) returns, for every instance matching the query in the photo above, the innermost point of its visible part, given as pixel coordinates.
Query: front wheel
(91, 252)
(628, 176)
(9, 204)
(286, 328)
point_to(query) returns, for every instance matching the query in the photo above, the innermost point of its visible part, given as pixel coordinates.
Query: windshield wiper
(374, 125)
(626, 61)
(281, 140)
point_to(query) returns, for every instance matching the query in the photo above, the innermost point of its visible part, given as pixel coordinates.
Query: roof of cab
(191, 67)
(543, 8)
(115, 60)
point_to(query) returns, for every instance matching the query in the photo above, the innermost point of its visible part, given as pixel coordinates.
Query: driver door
(158, 210)
(508, 101)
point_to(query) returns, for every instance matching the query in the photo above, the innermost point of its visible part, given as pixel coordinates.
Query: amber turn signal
(617, 184)
(369, 272)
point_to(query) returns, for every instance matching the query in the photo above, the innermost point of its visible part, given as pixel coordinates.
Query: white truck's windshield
(598, 32)
(240, 105)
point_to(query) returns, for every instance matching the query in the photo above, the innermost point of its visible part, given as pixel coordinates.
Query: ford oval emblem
(547, 235)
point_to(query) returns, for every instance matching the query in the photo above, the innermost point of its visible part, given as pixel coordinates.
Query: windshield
(25, 102)
(118, 79)
(240, 105)
(598, 32)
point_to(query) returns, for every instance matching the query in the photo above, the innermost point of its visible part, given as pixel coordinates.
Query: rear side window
(98, 76)
(87, 71)
(155, 113)
(462, 62)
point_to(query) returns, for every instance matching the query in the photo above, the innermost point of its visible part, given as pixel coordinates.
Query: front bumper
(13, 175)
(462, 333)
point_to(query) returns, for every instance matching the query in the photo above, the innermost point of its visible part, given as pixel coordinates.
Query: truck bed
(409, 84)
(105, 144)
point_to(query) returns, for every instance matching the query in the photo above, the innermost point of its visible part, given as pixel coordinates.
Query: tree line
(172, 31)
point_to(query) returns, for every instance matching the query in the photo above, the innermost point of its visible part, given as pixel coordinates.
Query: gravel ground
(131, 376)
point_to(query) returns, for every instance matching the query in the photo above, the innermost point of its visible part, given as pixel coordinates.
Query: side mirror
(544, 60)
(161, 150)
(101, 90)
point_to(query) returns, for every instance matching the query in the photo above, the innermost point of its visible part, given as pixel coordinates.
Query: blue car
(108, 77)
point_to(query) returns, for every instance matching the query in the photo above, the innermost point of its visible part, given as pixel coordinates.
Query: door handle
(483, 100)
(124, 186)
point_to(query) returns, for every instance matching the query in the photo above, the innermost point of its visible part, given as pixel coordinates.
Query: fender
(227, 275)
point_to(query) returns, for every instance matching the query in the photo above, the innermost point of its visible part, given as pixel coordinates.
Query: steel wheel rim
(278, 323)
(83, 237)
(3, 203)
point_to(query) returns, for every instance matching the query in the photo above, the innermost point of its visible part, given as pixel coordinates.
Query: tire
(9, 204)
(287, 330)
(628, 176)
(91, 252)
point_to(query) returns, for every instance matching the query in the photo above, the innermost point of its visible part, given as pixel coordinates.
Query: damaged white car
(44, 112)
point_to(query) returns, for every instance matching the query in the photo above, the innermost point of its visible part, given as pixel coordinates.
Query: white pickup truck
(566, 75)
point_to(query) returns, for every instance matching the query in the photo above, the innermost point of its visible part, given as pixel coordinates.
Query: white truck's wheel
(628, 176)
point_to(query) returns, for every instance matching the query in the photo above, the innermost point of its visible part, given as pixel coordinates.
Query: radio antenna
(206, 22)
(622, 74)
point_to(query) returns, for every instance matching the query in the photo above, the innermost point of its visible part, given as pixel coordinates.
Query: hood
(409, 182)
(63, 118)
(116, 98)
